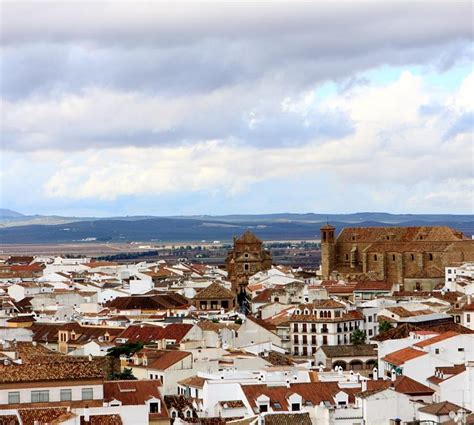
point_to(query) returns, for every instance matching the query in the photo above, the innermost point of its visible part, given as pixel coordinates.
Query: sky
(151, 108)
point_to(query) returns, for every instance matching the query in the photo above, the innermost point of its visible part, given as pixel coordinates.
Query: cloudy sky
(117, 108)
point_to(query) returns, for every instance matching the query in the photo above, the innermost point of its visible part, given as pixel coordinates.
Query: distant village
(380, 332)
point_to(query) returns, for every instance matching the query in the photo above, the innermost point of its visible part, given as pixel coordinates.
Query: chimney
(364, 385)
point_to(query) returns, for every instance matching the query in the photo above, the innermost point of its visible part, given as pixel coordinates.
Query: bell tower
(328, 250)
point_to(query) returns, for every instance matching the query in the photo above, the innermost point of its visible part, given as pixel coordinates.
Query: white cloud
(407, 154)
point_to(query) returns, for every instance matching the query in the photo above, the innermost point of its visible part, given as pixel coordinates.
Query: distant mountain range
(18, 228)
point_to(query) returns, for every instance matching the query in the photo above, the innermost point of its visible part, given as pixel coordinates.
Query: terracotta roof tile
(314, 392)
(68, 370)
(102, 420)
(133, 393)
(436, 339)
(399, 357)
(214, 291)
(164, 359)
(9, 419)
(193, 381)
(288, 419)
(151, 333)
(46, 415)
(441, 409)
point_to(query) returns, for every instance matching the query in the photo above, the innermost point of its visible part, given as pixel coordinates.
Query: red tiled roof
(403, 384)
(42, 415)
(102, 420)
(315, 392)
(441, 409)
(214, 291)
(166, 359)
(150, 333)
(406, 385)
(399, 357)
(436, 339)
(133, 393)
(53, 370)
(264, 296)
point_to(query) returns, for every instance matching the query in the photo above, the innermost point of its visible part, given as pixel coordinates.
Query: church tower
(328, 250)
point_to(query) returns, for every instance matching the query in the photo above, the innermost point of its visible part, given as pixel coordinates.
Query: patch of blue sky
(449, 79)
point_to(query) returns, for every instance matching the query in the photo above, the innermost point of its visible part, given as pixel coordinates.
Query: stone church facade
(245, 259)
(414, 257)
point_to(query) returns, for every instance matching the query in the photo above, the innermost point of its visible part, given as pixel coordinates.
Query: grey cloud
(252, 56)
(400, 23)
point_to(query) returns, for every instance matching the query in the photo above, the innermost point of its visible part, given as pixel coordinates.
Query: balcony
(324, 330)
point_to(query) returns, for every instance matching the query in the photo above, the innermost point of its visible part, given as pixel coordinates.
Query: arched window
(347, 257)
(430, 256)
(375, 257)
(393, 257)
(329, 314)
(412, 257)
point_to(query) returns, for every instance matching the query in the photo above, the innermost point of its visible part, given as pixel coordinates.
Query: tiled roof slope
(288, 419)
(349, 350)
(150, 333)
(399, 357)
(438, 338)
(42, 415)
(401, 234)
(8, 419)
(214, 292)
(441, 409)
(51, 372)
(133, 393)
(102, 420)
(156, 302)
(315, 392)
(403, 331)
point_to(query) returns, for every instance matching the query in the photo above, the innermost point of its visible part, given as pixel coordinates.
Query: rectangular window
(87, 393)
(304, 327)
(461, 349)
(468, 318)
(295, 407)
(154, 407)
(263, 408)
(370, 318)
(14, 397)
(295, 327)
(65, 395)
(40, 396)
